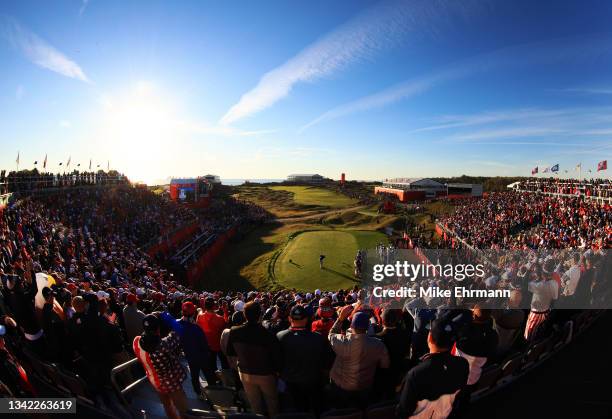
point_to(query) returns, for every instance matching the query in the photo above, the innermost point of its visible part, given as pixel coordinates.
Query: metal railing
(121, 392)
(599, 199)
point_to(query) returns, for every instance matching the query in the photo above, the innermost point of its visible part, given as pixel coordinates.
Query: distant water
(234, 182)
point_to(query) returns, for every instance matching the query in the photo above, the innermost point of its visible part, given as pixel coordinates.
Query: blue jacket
(192, 337)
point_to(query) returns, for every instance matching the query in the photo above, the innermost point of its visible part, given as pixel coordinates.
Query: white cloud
(588, 90)
(361, 38)
(38, 51)
(514, 56)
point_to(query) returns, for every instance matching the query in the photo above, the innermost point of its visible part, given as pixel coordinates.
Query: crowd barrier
(585, 196)
(196, 270)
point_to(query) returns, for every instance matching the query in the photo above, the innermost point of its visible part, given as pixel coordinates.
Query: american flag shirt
(162, 366)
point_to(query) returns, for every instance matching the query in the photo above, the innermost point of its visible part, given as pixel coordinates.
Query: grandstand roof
(415, 181)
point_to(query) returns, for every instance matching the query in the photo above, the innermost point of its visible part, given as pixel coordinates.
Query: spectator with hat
(304, 356)
(357, 358)
(430, 388)
(325, 314)
(160, 358)
(132, 317)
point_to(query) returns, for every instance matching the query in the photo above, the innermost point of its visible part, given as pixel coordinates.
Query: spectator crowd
(105, 302)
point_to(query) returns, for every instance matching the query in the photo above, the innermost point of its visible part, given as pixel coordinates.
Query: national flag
(602, 165)
(45, 162)
(17, 161)
(546, 170)
(534, 171)
(555, 168)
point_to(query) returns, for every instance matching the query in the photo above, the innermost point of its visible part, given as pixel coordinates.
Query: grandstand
(112, 254)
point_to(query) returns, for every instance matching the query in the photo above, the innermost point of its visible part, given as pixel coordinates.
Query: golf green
(298, 264)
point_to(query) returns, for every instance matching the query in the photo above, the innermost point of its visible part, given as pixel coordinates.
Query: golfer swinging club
(321, 257)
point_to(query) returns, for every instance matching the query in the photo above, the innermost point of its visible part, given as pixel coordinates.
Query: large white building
(305, 178)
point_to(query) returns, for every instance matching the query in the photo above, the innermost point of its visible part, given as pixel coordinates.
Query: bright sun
(140, 125)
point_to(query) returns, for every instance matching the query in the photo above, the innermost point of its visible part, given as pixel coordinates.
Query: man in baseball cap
(357, 358)
(304, 355)
(448, 374)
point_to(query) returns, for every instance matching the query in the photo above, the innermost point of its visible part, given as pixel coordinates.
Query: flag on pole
(534, 171)
(555, 168)
(602, 165)
(17, 161)
(45, 162)
(546, 170)
(579, 166)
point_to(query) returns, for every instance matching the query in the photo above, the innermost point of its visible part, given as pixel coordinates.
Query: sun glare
(142, 122)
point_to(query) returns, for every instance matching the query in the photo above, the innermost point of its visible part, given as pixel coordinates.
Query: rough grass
(297, 265)
(311, 195)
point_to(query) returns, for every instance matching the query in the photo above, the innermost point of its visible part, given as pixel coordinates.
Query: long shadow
(225, 273)
(350, 278)
(295, 264)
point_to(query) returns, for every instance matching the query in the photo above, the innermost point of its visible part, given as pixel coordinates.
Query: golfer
(321, 257)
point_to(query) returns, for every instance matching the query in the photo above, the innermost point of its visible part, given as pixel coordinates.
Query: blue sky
(263, 89)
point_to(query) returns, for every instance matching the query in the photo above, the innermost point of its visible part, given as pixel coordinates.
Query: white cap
(239, 305)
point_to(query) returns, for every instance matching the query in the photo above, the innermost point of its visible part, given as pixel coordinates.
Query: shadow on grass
(350, 278)
(226, 272)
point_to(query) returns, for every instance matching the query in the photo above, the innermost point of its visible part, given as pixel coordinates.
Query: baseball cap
(298, 313)
(189, 309)
(443, 333)
(150, 323)
(361, 321)
(46, 292)
(326, 311)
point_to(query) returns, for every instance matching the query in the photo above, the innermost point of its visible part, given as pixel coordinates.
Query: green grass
(297, 266)
(309, 195)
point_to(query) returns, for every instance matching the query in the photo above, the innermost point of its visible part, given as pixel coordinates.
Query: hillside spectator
(304, 356)
(259, 359)
(397, 341)
(132, 318)
(477, 343)
(194, 345)
(357, 358)
(508, 323)
(430, 388)
(160, 359)
(545, 290)
(213, 324)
